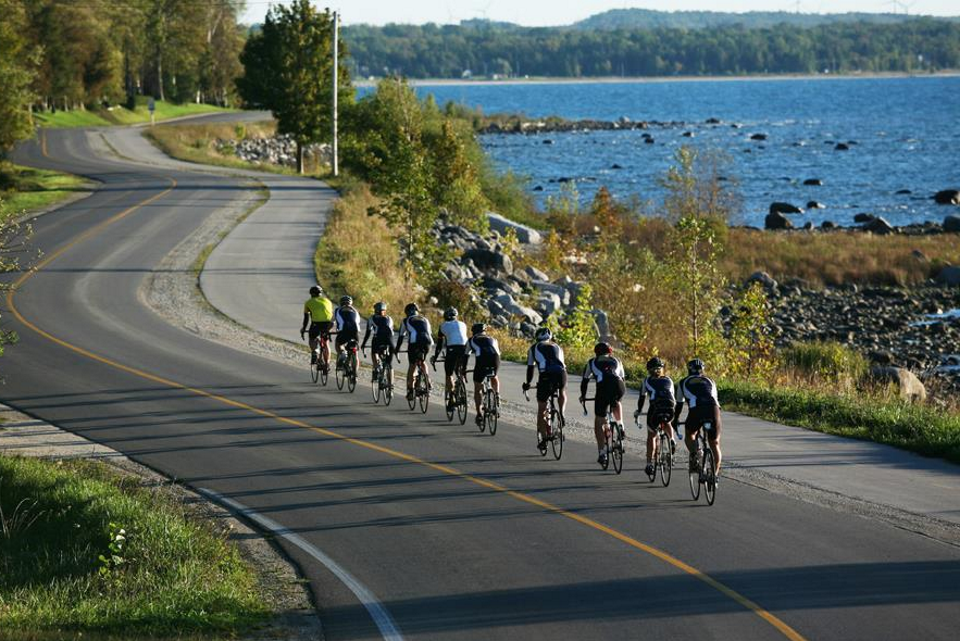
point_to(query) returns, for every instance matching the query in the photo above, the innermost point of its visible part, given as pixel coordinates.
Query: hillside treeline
(86, 52)
(448, 51)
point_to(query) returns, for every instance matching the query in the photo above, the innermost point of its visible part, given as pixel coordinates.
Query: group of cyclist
(545, 357)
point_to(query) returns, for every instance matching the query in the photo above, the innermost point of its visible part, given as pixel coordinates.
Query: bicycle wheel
(341, 375)
(387, 391)
(556, 429)
(324, 373)
(315, 371)
(460, 393)
(664, 459)
(424, 394)
(491, 411)
(709, 476)
(412, 399)
(617, 451)
(351, 381)
(695, 482)
(377, 384)
(482, 425)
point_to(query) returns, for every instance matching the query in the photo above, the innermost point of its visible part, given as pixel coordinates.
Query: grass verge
(121, 115)
(24, 189)
(85, 549)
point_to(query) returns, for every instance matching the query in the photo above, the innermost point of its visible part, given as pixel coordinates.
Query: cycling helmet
(346, 300)
(411, 309)
(316, 291)
(379, 308)
(695, 367)
(655, 363)
(450, 313)
(478, 328)
(602, 349)
(543, 334)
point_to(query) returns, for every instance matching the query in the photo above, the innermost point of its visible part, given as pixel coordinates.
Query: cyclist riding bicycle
(318, 312)
(416, 329)
(659, 387)
(701, 394)
(608, 372)
(452, 335)
(486, 351)
(546, 356)
(380, 327)
(348, 329)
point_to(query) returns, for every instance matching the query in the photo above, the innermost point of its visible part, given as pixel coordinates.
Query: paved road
(458, 535)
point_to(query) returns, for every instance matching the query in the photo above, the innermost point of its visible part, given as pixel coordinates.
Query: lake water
(906, 130)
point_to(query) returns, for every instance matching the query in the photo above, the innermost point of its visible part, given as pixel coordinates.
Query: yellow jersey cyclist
(486, 351)
(700, 393)
(416, 329)
(318, 313)
(452, 335)
(659, 387)
(608, 371)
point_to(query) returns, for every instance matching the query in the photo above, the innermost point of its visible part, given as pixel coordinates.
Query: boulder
(616, 166)
(842, 147)
(908, 385)
(513, 308)
(538, 188)
(525, 234)
(949, 275)
(758, 137)
(880, 226)
(813, 204)
(764, 279)
(947, 197)
(863, 218)
(828, 224)
(551, 288)
(535, 274)
(496, 284)
(951, 223)
(712, 121)
(688, 134)
(903, 192)
(495, 308)
(487, 260)
(784, 208)
(649, 140)
(813, 182)
(602, 322)
(881, 357)
(529, 330)
(549, 303)
(776, 220)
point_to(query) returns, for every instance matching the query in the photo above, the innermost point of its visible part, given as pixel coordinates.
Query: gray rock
(526, 235)
(949, 275)
(535, 274)
(487, 260)
(513, 308)
(758, 137)
(813, 182)
(903, 192)
(879, 226)
(528, 329)
(842, 147)
(784, 208)
(947, 197)
(776, 220)
(863, 218)
(549, 303)
(561, 292)
(602, 322)
(908, 385)
(951, 223)
(764, 279)
(813, 204)
(495, 308)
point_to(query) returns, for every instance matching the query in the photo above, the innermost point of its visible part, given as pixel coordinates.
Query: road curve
(456, 535)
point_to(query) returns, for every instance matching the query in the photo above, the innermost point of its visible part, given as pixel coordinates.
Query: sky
(559, 12)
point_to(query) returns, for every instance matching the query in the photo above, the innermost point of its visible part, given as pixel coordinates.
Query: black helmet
(543, 334)
(450, 313)
(346, 300)
(379, 308)
(602, 349)
(695, 367)
(478, 328)
(655, 363)
(316, 291)
(411, 309)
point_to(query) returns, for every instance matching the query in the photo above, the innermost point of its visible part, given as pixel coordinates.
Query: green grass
(918, 428)
(175, 575)
(29, 189)
(121, 115)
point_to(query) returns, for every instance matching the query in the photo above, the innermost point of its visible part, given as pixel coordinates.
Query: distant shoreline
(458, 82)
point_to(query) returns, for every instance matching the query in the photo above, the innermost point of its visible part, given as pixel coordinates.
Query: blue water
(907, 132)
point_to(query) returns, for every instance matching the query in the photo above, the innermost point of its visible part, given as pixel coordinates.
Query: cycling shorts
(608, 393)
(486, 364)
(660, 411)
(344, 336)
(550, 382)
(454, 359)
(417, 352)
(704, 414)
(321, 328)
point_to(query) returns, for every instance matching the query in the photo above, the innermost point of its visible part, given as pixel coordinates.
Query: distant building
(467, 74)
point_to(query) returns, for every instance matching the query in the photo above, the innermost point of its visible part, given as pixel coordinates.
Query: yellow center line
(782, 627)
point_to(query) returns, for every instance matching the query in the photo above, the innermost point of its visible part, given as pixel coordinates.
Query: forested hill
(650, 19)
(486, 49)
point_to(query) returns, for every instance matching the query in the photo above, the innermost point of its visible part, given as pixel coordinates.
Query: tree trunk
(299, 157)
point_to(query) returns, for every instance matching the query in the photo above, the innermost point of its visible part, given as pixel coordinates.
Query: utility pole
(336, 73)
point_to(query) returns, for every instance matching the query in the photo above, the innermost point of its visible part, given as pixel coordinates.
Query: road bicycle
(421, 387)
(347, 367)
(382, 384)
(663, 452)
(555, 423)
(704, 473)
(614, 434)
(458, 403)
(489, 405)
(320, 366)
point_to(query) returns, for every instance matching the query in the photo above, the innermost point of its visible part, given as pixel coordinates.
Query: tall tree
(288, 69)
(16, 76)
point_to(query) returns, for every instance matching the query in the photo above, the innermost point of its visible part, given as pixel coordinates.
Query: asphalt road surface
(403, 524)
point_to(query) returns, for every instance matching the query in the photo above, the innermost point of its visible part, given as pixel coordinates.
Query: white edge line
(383, 620)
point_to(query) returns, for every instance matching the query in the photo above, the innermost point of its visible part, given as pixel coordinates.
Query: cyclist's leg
(562, 385)
(477, 395)
(542, 425)
(600, 428)
(713, 438)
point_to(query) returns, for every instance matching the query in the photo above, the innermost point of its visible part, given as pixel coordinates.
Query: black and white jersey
(416, 329)
(659, 389)
(699, 390)
(381, 329)
(547, 356)
(453, 333)
(482, 345)
(604, 369)
(348, 319)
